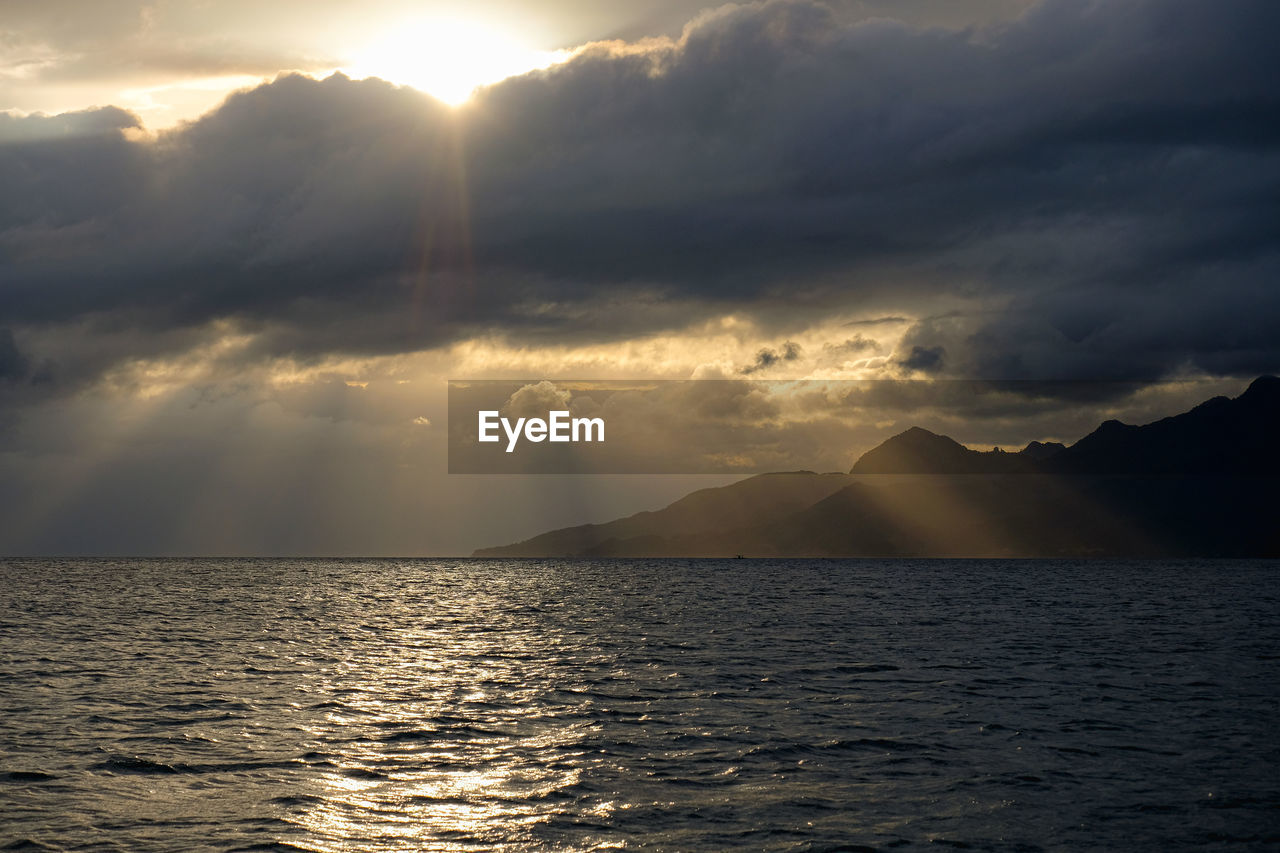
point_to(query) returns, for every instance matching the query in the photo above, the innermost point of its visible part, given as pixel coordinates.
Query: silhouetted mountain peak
(1263, 385)
(1038, 450)
(1106, 432)
(1262, 395)
(919, 451)
(919, 433)
(1222, 435)
(1112, 427)
(1189, 485)
(1219, 436)
(922, 439)
(915, 451)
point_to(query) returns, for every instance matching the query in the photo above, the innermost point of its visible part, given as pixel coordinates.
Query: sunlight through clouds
(448, 58)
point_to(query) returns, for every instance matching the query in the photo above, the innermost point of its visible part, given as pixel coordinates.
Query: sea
(685, 705)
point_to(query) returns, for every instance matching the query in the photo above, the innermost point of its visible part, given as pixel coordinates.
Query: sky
(243, 247)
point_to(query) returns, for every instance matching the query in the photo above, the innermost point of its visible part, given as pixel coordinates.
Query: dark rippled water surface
(671, 705)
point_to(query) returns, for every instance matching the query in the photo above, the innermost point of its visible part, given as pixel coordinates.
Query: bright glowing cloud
(449, 59)
(184, 98)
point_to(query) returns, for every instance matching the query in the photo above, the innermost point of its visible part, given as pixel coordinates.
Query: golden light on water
(429, 758)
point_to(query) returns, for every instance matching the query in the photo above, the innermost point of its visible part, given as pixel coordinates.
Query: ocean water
(655, 704)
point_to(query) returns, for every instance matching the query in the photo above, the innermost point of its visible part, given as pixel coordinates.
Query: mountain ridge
(1218, 436)
(1199, 483)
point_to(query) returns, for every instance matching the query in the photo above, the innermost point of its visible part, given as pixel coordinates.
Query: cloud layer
(1087, 191)
(1094, 183)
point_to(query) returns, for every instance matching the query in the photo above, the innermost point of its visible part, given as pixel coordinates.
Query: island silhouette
(1198, 484)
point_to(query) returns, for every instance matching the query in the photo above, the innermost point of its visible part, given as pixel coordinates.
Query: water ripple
(682, 705)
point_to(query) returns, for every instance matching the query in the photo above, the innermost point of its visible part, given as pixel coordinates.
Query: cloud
(100, 124)
(924, 359)
(767, 358)
(73, 42)
(13, 365)
(1087, 192)
(533, 401)
(878, 321)
(1072, 181)
(851, 346)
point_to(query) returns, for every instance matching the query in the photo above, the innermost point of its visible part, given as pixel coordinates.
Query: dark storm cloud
(96, 124)
(767, 357)
(877, 321)
(1101, 178)
(13, 365)
(924, 359)
(851, 346)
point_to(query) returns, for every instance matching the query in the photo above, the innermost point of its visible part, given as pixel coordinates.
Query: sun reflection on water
(674, 705)
(445, 737)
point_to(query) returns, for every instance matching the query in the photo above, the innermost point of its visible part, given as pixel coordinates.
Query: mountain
(918, 451)
(1201, 483)
(1040, 450)
(754, 501)
(1218, 437)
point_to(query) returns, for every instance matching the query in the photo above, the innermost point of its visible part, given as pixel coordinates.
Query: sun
(448, 59)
